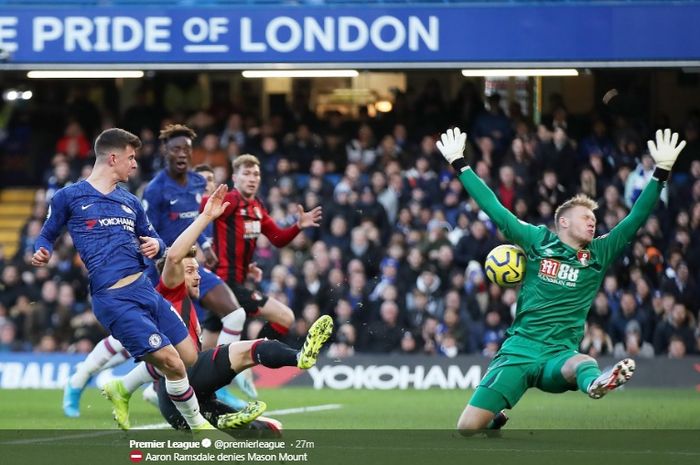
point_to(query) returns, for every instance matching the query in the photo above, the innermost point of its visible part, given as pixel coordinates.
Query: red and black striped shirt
(181, 302)
(236, 232)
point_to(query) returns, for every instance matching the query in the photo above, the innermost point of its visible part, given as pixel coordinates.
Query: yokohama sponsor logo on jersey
(116, 222)
(184, 215)
(126, 223)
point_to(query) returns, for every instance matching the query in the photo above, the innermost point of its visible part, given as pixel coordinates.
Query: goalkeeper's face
(581, 224)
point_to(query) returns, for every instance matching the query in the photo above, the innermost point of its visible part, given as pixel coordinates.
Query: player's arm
(173, 271)
(56, 219)
(283, 236)
(451, 145)
(152, 246)
(664, 152)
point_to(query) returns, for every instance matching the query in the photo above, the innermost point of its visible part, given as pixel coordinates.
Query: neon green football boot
(318, 334)
(241, 418)
(116, 393)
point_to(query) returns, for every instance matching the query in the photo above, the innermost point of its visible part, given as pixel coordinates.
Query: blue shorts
(209, 280)
(140, 318)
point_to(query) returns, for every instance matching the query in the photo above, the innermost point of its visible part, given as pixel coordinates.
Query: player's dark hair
(203, 167)
(115, 139)
(160, 263)
(176, 130)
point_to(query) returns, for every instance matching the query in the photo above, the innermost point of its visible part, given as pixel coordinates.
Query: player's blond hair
(243, 161)
(580, 200)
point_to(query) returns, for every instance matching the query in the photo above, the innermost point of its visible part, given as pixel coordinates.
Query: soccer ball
(505, 265)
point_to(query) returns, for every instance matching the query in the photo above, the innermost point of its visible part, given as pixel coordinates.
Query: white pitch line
(61, 438)
(311, 408)
(155, 426)
(278, 413)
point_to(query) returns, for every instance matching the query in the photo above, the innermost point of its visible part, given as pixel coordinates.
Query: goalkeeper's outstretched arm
(664, 151)
(451, 145)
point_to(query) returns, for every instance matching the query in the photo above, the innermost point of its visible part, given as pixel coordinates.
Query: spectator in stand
(681, 284)
(74, 143)
(639, 178)
(494, 123)
(633, 345)
(596, 342)
(209, 152)
(8, 338)
(628, 313)
(60, 177)
(344, 344)
(550, 189)
(362, 149)
(597, 143)
(679, 322)
(384, 335)
(677, 347)
(233, 132)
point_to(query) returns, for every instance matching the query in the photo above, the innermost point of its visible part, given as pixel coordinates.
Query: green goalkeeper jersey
(560, 282)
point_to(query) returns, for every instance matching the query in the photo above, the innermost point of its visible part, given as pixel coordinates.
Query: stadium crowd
(398, 259)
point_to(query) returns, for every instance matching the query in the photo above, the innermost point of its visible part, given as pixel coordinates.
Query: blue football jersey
(172, 207)
(105, 231)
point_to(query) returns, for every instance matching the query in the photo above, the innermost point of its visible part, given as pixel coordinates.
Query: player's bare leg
(474, 419)
(209, 339)
(279, 319)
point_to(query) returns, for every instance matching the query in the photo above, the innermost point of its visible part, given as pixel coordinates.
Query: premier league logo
(583, 256)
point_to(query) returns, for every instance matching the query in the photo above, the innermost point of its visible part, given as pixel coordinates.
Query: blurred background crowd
(398, 259)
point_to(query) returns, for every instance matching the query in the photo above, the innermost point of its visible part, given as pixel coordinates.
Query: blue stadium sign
(372, 36)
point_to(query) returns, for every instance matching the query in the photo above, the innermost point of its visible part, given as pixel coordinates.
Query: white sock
(140, 375)
(117, 359)
(107, 353)
(150, 395)
(233, 327)
(184, 398)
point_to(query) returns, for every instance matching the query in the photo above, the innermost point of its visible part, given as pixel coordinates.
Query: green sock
(586, 372)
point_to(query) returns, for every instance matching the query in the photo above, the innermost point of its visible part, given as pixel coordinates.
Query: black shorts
(251, 301)
(210, 372)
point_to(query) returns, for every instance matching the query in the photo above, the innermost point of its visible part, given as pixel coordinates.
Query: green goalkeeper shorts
(521, 364)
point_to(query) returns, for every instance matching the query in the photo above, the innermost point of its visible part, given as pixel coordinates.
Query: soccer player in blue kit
(171, 201)
(112, 234)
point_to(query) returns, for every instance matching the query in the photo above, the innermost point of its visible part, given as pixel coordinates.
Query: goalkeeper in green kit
(563, 274)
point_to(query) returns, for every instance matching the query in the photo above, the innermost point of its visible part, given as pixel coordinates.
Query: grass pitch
(363, 409)
(632, 426)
